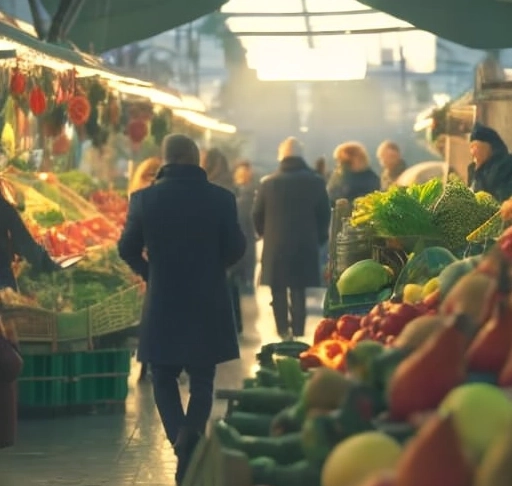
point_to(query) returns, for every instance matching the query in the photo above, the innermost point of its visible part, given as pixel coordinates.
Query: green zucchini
(264, 400)
(250, 423)
(284, 450)
(267, 471)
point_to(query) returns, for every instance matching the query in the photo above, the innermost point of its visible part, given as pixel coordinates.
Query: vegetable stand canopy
(480, 24)
(107, 24)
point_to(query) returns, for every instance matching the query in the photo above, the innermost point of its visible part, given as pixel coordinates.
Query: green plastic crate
(98, 389)
(99, 362)
(73, 326)
(42, 393)
(44, 366)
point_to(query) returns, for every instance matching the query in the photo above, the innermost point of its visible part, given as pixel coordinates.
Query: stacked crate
(69, 380)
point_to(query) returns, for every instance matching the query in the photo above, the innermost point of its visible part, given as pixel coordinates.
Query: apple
(398, 317)
(348, 325)
(324, 330)
(381, 337)
(361, 335)
(389, 340)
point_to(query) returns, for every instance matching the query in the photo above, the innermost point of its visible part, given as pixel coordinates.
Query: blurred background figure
(390, 159)
(144, 174)
(291, 213)
(216, 166)
(352, 176)
(321, 168)
(245, 189)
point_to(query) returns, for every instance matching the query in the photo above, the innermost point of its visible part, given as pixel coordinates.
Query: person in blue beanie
(491, 169)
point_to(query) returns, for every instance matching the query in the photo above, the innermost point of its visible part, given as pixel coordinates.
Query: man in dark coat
(291, 213)
(491, 169)
(190, 230)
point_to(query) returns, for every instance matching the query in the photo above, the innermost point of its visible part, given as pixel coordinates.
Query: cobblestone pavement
(130, 448)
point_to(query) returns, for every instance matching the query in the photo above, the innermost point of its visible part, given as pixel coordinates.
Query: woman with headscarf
(216, 166)
(491, 168)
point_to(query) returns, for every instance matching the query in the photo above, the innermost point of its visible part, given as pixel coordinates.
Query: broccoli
(488, 206)
(457, 213)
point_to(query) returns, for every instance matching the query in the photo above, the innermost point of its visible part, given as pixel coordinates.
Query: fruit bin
(41, 331)
(356, 304)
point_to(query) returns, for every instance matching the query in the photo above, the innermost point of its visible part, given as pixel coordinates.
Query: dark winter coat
(347, 184)
(15, 239)
(291, 212)
(495, 175)
(8, 413)
(190, 229)
(244, 201)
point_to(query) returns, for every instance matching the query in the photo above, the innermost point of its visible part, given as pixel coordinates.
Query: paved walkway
(126, 449)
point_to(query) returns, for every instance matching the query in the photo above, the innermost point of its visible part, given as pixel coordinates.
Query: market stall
(415, 345)
(72, 131)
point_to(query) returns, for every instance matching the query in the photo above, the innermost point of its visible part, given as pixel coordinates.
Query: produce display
(446, 215)
(108, 202)
(93, 279)
(112, 205)
(414, 393)
(59, 218)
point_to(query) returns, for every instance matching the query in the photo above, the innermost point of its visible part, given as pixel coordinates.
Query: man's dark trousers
(168, 399)
(296, 308)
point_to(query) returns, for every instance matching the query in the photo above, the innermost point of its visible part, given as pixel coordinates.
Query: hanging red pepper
(137, 130)
(79, 110)
(37, 101)
(18, 82)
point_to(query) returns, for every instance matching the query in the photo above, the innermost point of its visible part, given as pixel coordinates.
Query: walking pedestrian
(216, 166)
(191, 232)
(291, 213)
(245, 190)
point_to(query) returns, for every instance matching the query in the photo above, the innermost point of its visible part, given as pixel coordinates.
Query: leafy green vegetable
(79, 182)
(394, 214)
(91, 281)
(50, 218)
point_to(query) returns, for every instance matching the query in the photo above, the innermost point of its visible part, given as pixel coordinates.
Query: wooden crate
(212, 465)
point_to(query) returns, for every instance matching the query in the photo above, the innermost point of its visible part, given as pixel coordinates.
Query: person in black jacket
(353, 177)
(15, 240)
(491, 169)
(291, 213)
(190, 230)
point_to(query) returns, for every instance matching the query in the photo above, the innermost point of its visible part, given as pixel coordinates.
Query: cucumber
(291, 374)
(268, 472)
(288, 420)
(250, 423)
(284, 450)
(264, 400)
(266, 377)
